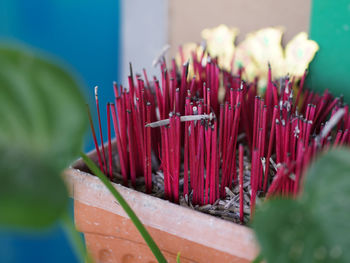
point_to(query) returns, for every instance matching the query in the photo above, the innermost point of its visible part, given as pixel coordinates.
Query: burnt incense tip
(212, 116)
(203, 45)
(148, 103)
(161, 56)
(96, 92)
(130, 69)
(128, 111)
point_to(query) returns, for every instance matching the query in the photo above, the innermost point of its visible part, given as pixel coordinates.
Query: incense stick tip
(96, 92)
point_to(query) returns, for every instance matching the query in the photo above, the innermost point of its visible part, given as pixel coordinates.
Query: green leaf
(143, 231)
(327, 194)
(286, 233)
(258, 259)
(75, 239)
(316, 227)
(31, 192)
(41, 132)
(178, 257)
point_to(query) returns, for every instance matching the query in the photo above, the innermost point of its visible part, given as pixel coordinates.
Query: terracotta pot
(111, 237)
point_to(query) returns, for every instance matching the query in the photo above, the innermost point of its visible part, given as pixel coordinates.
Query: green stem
(75, 239)
(178, 258)
(144, 233)
(258, 259)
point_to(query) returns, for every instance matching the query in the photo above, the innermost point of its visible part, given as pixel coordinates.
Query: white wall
(144, 34)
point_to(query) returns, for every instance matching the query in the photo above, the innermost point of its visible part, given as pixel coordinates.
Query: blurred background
(98, 39)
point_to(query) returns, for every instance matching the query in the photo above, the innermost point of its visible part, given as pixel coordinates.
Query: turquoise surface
(85, 35)
(330, 27)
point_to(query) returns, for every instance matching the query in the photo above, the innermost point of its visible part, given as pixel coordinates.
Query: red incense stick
(208, 135)
(241, 197)
(94, 137)
(148, 160)
(100, 128)
(131, 149)
(213, 166)
(110, 160)
(121, 151)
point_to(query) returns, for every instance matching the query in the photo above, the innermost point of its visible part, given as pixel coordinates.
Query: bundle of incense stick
(179, 123)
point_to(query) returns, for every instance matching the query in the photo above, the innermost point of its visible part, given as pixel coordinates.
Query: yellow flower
(254, 53)
(220, 43)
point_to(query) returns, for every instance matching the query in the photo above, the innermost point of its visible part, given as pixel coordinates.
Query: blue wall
(84, 34)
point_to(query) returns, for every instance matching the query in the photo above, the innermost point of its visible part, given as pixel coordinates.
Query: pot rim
(195, 226)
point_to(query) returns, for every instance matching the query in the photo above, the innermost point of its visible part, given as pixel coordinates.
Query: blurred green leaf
(258, 259)
(327, 193)
(315, 228)
(31, 192)
(42, 122)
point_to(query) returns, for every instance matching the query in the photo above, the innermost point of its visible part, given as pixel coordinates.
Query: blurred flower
(254, 53)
